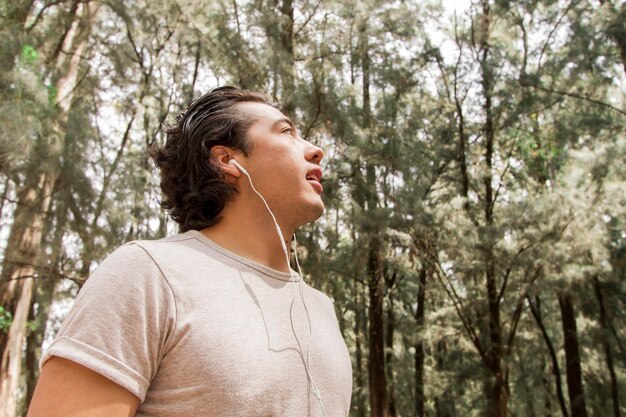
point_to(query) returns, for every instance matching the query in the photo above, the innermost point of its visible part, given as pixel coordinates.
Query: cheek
(276, 174)
(278, 165)
(287, 165)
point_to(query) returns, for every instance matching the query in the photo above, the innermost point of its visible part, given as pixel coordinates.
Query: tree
(33, 202)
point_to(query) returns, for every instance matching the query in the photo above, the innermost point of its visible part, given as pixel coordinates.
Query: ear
(220, 156)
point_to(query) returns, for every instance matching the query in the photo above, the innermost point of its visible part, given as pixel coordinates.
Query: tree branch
(458, 306)
(295, 35)
(518, 309)
(576, 96)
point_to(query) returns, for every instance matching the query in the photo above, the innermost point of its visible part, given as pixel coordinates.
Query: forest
(474, 238)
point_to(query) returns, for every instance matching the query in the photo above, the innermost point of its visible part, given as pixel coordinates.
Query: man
(211, 322)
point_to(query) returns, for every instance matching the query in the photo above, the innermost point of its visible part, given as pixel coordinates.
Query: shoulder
(324, 300)
(176, 243)
(321, 296)
(133, 265)
(172, 248)
(146, 256)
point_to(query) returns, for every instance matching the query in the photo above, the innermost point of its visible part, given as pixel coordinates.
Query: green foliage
(397, 94)
(6, 318)
(29, 54)
(52, 94)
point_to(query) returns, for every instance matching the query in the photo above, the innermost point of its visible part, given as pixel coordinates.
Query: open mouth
(314, 177)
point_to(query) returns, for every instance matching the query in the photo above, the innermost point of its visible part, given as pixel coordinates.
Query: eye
(288, 130)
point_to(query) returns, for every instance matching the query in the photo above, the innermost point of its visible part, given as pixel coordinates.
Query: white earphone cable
(316, 390)
(305, 360)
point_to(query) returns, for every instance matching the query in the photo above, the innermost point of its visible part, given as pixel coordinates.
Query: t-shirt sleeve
(121, 321)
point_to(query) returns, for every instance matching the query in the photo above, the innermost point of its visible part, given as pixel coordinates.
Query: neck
(249, 231)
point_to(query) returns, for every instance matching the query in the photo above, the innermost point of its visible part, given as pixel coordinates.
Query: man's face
(283, 166)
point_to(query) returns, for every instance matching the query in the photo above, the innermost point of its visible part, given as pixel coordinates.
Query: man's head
(228, 122)
(194, 191)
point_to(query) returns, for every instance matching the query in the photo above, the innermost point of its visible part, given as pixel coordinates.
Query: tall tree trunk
(444, 404)
(391, 322)
(608, 353)
(463, 143)
(358, 354)
(572, 357)
(44, 292)
(497, 387)
(545, 383)
(43, 297)
(17, 282)
(285, 49)
(419, 345)
(376, 362)
(535, 308)
(34, 197)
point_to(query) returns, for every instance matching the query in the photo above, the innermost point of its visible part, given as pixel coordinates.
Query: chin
(320, 212)
(313, 212)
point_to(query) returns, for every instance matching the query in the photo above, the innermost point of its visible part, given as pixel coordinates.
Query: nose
(314, 153)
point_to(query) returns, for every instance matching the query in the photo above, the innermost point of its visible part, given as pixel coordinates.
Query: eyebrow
(284, 120)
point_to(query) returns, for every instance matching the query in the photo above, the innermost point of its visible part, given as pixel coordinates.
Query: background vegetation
(475, 234)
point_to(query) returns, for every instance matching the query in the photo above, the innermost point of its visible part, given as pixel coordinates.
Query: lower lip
(317, 186)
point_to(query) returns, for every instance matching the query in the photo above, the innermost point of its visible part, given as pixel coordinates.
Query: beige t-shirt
(195, 330)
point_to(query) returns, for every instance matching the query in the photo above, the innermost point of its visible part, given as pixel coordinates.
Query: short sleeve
(121, 321)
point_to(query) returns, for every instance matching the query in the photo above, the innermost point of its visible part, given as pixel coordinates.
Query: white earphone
(238, 165)
(316, 390)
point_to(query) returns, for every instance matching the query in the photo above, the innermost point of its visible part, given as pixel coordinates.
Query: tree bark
(376, 360)
(535, 308)
(358, 354)
(419, 346)
(444, 404)
(572, 357)
(23, 247)
(44, 291)
(608, 353)
(43, 297)
(18, 282)
(391, 322)
(497, 387)
(286, 58)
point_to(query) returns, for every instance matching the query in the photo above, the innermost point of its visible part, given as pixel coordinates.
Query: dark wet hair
(194, 189)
